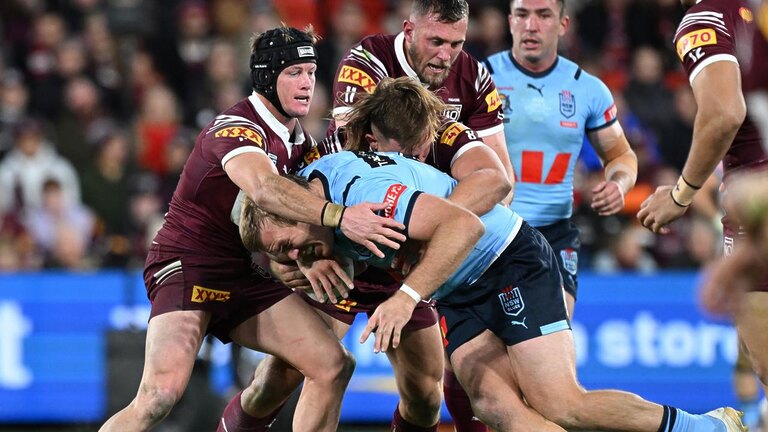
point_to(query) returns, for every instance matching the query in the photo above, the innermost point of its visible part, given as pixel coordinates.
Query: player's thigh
(482, 366)
(291, 330)
(545, 368)
(418, 362)
(173, 340)
(752, 322)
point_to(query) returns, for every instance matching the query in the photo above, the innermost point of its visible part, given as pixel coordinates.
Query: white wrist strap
(411, 293)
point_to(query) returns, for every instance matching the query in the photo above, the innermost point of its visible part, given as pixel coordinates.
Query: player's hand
(290, 275)
(608, 198)
(328, 277)
(407, 257)
(388, 321)
(658, 210)
(361, 225)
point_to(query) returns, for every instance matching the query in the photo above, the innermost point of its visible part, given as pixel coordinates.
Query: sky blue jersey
(546, 116)
(351, 178)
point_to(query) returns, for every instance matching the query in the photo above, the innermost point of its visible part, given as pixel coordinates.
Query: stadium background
(109, 95)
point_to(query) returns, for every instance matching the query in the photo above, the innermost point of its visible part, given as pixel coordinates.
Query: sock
(457, 402)
(399, 424)
(234, 419)
(677, 420)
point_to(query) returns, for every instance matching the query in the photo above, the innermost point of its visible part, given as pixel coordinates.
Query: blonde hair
(401, 108)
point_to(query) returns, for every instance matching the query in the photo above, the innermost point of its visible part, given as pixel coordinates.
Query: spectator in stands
(106, 184)
(24, 170)
(157, 123)
(62, 229)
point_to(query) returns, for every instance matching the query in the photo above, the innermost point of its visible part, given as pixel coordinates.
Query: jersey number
(533, 166)
(696, 54)
(376, 160)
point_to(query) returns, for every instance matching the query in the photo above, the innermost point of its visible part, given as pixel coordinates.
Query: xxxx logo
(203, 295)
(240, 132)
(346, 305)
(352, 75)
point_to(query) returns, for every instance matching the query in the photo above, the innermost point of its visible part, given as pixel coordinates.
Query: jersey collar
(401, 58)
(525, 71)
(277, 127)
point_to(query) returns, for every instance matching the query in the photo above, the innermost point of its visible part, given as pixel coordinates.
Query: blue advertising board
(638, 333)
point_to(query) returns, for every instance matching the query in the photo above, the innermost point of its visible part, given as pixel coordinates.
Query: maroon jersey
(468, 90)
(722, 30)
(202, 213)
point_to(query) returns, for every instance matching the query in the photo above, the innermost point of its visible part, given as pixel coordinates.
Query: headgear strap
(276, 50)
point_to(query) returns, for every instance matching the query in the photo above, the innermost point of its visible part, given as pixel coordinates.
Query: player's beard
(420, 66)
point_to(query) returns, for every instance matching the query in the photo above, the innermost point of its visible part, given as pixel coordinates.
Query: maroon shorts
(227, 287)
(731, 239)
(366, 297)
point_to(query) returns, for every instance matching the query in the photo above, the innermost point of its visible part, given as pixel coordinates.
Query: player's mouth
(435, 68)
(530, 43)
(303, 99)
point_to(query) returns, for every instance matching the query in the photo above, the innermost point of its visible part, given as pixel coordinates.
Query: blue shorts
(563, 236)
(521, 297)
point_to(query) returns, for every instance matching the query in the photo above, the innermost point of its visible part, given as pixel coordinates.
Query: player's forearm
(446, 250)
(479, 191)
(713, 134)
(622, 170)
(285, 198)
(721, 111)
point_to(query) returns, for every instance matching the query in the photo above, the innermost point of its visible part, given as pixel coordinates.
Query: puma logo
(520, 323)
(538, 89)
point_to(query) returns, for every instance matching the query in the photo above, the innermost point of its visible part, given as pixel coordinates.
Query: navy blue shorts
(521, 297)
(563, 236)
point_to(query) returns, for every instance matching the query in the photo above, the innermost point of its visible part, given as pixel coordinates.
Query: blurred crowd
(101, 101)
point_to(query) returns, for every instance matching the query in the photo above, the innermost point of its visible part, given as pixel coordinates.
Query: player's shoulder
(718, 15)
(569, 70)
(467, 66)
(499, 62)
(239, 121)
(377, 45)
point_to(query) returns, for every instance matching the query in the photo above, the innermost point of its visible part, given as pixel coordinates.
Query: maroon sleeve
(451, 138)
(224, 137)
(360, 71)
(706, 35)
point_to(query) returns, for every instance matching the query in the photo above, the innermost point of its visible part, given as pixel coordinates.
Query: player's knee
(490, 410)
(422, 404)
(155, 402)
(334, 367)
(564, 409)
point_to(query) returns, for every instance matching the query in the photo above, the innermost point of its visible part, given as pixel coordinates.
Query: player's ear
(408, 30)
(372, 143)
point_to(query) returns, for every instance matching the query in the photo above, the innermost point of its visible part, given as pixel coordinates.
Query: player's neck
(288, 122)
(534, 67)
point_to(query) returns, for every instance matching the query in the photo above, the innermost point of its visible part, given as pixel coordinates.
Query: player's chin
(297, 110)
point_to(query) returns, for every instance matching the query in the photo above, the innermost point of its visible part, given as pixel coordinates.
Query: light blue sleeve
(602, 107)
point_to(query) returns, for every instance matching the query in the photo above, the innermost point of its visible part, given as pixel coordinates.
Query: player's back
(355, 177)
(722, 30)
